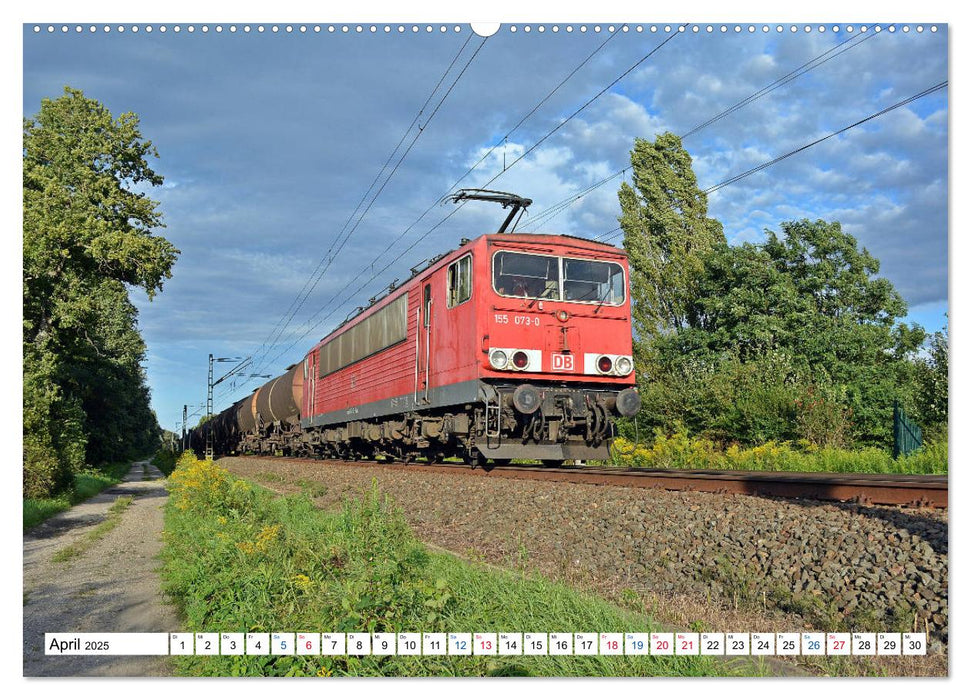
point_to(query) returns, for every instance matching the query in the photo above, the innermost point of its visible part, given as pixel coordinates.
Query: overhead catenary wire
(602, 237)
(307, 289)
(317, 323)
(769, 163)
(543, 217)
(501, 141)
(531, 112)
(341, 243)
(421, 129)
(551, 212)
(587, 103)
(809, 65)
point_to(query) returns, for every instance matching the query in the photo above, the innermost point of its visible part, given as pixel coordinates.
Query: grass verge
(236, 558)
(103, 528)
(165, 460)
(87, 483)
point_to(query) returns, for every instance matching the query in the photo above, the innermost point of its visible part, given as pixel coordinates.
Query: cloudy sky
(268, 141)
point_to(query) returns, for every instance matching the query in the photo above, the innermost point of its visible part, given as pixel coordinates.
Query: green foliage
(54, 437)
(238, 558)
(811, 293)
(932, 374)
(84, 485)
(796, 338)
(667, 233)
(681, 451)
(165, 460)
(87, 238)
(717, 395)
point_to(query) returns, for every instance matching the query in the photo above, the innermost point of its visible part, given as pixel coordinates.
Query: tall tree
(88, 236)
(667, 234)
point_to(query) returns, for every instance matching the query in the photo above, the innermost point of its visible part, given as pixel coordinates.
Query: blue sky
(268, 141)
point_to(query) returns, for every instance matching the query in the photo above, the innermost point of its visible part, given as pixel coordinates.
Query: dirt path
(112, 586)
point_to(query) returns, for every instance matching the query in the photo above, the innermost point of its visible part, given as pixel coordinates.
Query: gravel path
(111, 587)
(801, 563)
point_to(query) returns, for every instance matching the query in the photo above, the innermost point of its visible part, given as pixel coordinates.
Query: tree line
(792, 339)
(88, 240)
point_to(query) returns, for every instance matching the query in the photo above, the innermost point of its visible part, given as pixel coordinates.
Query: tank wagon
(511, 346)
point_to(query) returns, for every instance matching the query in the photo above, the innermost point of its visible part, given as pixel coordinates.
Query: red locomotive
(511, 346)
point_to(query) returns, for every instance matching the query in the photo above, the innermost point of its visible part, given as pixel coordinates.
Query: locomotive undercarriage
(551, 423)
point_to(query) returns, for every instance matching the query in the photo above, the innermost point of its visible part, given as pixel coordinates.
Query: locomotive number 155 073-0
(517, 320)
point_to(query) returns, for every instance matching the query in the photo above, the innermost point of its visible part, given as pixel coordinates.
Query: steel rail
(912, 490)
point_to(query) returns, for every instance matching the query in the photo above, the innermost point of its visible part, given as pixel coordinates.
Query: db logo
(562, 362)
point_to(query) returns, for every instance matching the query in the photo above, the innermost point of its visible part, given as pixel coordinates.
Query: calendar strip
(487, 644)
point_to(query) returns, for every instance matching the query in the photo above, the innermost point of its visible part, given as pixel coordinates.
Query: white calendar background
(488, 644)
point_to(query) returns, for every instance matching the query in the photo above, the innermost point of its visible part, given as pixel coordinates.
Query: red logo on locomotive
(562, 362)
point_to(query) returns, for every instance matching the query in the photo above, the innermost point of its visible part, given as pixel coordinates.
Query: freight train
(512, 346)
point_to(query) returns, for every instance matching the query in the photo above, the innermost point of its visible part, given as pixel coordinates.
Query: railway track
(912, 490)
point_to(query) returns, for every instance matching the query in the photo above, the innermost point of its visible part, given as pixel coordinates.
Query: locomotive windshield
(558, 279)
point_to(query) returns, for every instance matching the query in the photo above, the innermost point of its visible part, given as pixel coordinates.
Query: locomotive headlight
(520, 359)
(605, 364)
(498, 359)
(624, 366)
(562, 315)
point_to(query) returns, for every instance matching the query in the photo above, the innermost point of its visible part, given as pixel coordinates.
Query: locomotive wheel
(553, 463)
(502, 462)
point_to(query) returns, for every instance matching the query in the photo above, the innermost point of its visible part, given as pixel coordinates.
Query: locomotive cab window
(558, 279)
(528, 276)
(593, 280)
(460, 281)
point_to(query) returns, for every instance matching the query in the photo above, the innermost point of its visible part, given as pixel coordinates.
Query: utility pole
(208, 428)
(185, 418)
(243, 362)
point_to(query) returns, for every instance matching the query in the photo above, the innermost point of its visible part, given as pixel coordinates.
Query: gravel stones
(831, 565)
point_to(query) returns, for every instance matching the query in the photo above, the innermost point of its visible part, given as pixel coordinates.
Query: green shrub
(680, 451)
(165, 460)
(54, 440)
